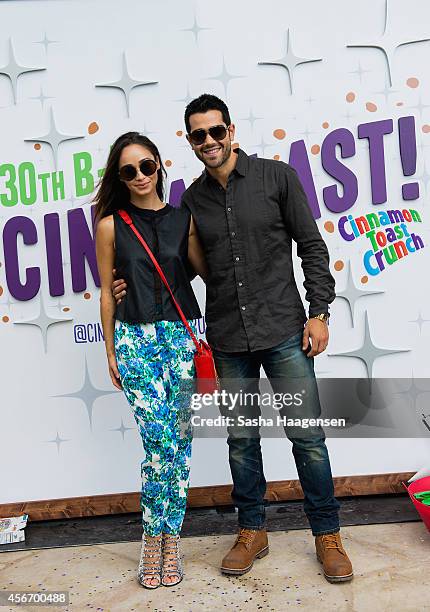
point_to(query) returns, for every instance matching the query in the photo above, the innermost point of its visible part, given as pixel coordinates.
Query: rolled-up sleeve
(311, 248)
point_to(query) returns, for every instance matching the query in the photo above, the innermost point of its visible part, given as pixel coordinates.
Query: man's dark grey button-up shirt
(252, 300)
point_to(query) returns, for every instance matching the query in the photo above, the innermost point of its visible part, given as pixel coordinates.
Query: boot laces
(332, 541)
(246, 537)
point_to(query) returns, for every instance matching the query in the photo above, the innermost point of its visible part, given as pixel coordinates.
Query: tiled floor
(391, 562)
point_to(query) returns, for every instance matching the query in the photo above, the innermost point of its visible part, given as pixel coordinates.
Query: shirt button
(233, 234)
(229, 209)
(243, 307)
(240, 283)
(237, 258)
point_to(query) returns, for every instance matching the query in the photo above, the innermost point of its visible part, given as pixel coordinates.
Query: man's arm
(312, 250)
(195, 252)
(119, 288)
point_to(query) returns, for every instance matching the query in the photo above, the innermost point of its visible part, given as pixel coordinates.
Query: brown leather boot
(330, 552)
(250, 544)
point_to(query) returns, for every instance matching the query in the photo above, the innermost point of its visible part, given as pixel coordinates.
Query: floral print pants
(155, 363)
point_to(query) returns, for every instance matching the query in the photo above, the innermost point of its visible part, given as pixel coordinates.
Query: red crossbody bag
(207, 380)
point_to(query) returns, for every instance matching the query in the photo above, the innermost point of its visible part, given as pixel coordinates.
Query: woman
(149, 351)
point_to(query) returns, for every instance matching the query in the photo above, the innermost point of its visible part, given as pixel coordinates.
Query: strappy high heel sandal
(150, 562)
(172, 560)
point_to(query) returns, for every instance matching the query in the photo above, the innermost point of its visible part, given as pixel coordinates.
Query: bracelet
(324, 317)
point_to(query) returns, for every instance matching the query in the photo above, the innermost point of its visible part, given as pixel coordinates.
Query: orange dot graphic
(66, 309)
(1, 290)
(279, 133)
(338, 266)
(325, 125)
(179, 133)
(168, 163)
(364, 279)
(87, 296)
(37, 146)
(93, 128)
(350, 96)
(329, 227)
(277, 157)
(5, 319)
(426, 128)
(371, 107)
(399, 104)
(315, 149)
(412, 82)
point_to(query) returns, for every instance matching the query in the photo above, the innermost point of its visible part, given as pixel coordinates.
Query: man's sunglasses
(217, 132)
(129, 172)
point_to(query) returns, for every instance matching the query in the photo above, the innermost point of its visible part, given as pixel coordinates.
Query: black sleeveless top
(166, 233)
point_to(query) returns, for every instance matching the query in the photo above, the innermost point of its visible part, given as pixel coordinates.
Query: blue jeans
(282, 363)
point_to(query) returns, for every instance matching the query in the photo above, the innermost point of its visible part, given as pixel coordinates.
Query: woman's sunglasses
(129, 172)
(217, 132)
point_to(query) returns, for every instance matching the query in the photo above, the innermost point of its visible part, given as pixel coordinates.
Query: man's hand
(118, 288)
(317, 332)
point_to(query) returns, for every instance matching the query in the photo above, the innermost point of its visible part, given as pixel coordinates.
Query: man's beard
(226, 152)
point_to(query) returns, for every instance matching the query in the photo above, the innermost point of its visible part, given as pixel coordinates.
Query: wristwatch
(323, 316)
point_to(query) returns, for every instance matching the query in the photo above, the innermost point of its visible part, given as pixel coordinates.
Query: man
(247, 211)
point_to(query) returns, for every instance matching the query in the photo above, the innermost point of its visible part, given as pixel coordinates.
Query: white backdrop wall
(65, 432)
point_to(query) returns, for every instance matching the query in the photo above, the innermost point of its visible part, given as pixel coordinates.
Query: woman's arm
(195, 252)
(105, 253)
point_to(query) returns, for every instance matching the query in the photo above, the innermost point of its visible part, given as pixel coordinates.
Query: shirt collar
(242, 162)
(241, 166)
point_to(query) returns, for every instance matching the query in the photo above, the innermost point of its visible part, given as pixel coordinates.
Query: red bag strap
(126, 217)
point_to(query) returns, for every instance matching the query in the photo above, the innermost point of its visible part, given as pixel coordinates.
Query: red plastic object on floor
(422, 484)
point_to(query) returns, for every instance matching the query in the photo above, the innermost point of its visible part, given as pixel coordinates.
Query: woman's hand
(113, 372)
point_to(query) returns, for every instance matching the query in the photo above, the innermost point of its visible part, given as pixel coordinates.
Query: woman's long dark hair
(112, 193)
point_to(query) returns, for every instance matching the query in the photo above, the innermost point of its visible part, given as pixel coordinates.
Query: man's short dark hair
(203, 104)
